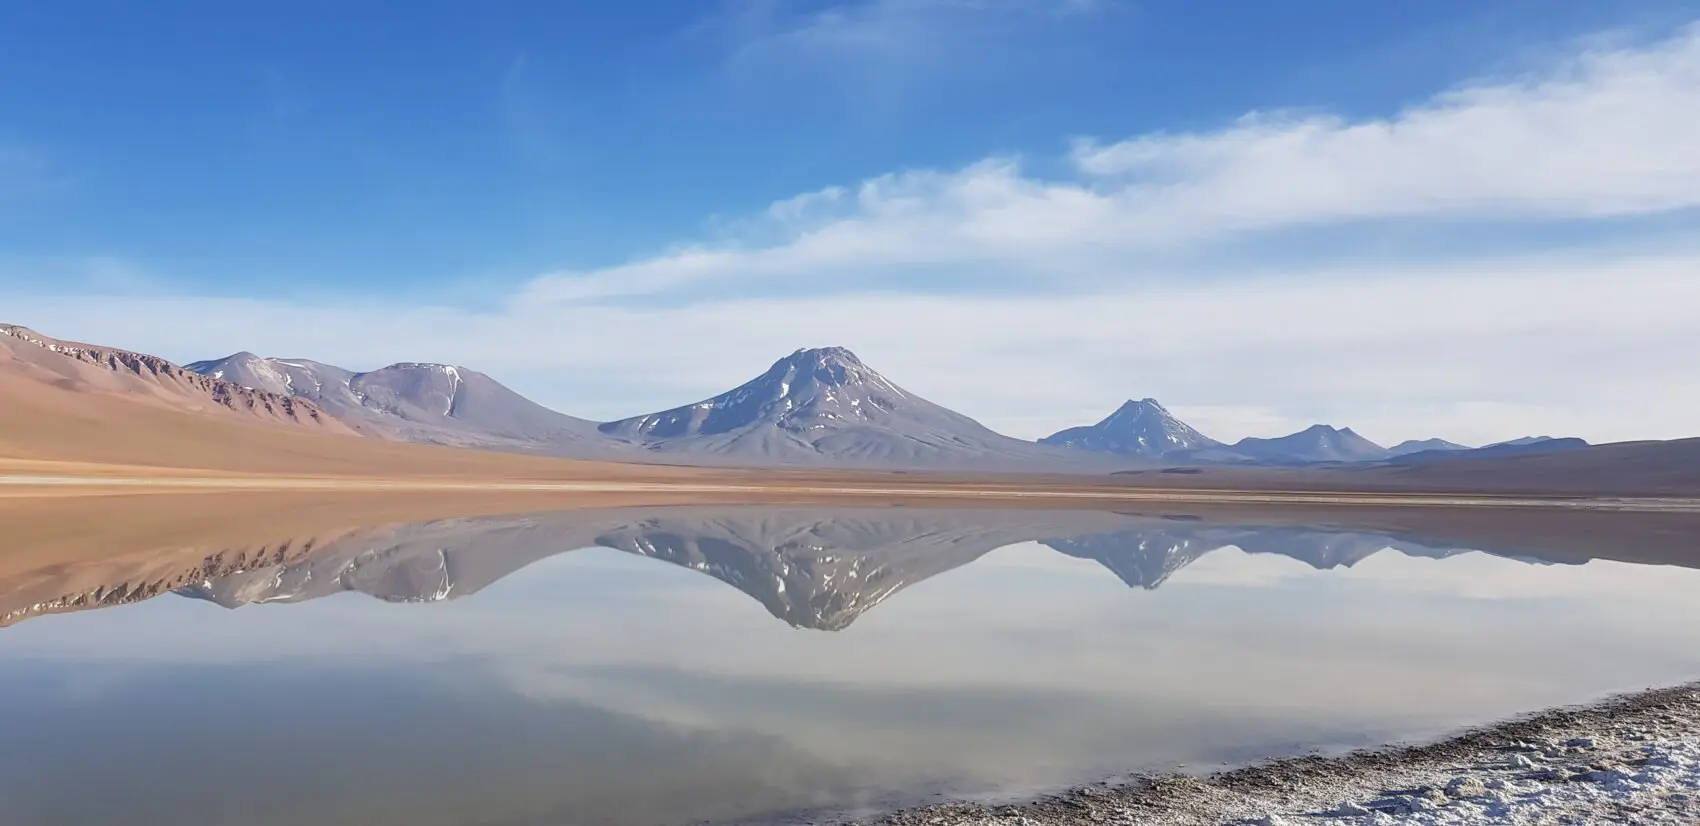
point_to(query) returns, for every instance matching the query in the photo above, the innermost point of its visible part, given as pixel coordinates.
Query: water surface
(689, 665)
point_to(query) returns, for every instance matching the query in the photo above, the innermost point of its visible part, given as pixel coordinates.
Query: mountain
(1424, 445)
(1137, 428)
(1315, 444)
(825, 407)
(430, 403)
(38, 366)
(1516, 447)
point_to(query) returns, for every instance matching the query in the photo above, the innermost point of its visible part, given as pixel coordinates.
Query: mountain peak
(1317, 443)
(1142, 405)
(840, 355)
(248, 370)
(1139, 428)
(823, 367)
(835, 366)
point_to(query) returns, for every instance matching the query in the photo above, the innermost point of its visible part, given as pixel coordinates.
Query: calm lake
(687, 665)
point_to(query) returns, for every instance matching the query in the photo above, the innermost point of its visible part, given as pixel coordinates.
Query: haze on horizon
(1447, 221)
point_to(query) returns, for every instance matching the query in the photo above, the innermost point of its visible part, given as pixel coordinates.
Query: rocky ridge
(165, 375)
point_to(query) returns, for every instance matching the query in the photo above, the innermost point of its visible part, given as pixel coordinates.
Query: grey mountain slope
(1315, 444)
(1496, 451)
(1137, 428)
(1424, 445)
(431, 403)
(825, 407)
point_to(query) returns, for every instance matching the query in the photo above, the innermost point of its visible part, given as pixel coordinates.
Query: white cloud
(1607, 133)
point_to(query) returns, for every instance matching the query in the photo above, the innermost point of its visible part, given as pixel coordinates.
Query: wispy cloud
(877, 52)
(1606, 133)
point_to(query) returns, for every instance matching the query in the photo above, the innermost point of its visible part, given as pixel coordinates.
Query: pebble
(1402, 805)
(1460, 788)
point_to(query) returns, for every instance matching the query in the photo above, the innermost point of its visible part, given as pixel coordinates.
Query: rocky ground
(1632, 759)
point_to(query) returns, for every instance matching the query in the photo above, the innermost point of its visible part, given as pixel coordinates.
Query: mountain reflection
(818, 569)
(1146, 558)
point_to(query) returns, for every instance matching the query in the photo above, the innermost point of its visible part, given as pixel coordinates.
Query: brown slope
(45, 425)
(94, 369)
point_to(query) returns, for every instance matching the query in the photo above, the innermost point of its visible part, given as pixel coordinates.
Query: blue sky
(1445, 218)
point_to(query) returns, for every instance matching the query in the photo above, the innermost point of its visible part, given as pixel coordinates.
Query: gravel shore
(1631, 759)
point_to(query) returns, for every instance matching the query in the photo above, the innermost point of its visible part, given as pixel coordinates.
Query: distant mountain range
(1528, 446)
(1146, 430)
(814, 408)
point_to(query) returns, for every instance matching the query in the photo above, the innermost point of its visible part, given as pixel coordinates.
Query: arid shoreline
(1627, 759)
(848, 485)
